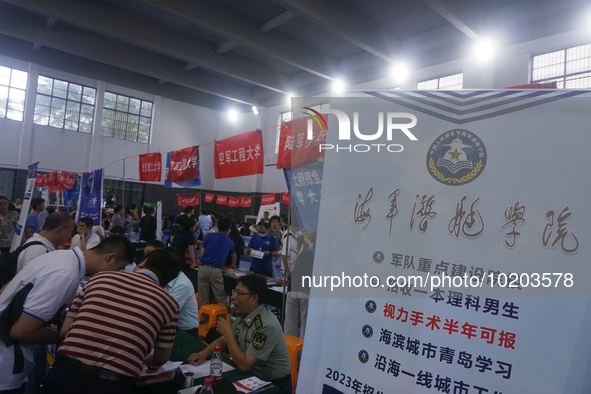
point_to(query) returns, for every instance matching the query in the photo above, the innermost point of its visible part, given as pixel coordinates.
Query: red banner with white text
(209, 197)
(285, 198)
(184, 165)
(151, 167)
(234, 202)
(268, 199)
(239, 155)
(294, 146)
(245, 202)
(188, 201)
(221, 200)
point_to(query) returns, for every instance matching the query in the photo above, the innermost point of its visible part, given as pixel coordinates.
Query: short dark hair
(37, 202)
(118, 230)
(275, 217)
(256, 285)
(87, 221)
(4, 198)
(224, 224)
(263, 223)
(204, 211)
(164, 263)
(56, 220)
(155, 244)
(117, 244)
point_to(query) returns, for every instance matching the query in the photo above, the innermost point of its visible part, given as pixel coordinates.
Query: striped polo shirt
(118, 318)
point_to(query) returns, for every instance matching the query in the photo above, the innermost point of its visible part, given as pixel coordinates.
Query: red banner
(67, 180)
(151, 167)
(52, 182)
(221, 200)
(239, 155)
(268, 199)
(295, 148)
(183, 165)
(234, 202)
(186, 201)
(208, 197)
(41, 180)
(285, 198)
(245, 202)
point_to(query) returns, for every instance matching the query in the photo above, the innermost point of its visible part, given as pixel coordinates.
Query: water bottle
(215, 364)
(206, 389)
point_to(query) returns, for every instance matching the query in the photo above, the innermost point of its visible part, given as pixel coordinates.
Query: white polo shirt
(91, 241)
(33, 251)
(55, 279)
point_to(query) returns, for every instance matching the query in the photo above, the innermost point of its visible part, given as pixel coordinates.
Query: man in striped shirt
(113, 325)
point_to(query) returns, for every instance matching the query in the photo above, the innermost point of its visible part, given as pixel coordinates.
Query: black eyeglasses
(239, 293)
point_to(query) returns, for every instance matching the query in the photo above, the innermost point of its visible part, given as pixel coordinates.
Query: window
(449, 82)
(13, 88)
(64, 105)
(126, 118)
(569, 68)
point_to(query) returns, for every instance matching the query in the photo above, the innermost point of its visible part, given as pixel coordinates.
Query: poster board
(494, 187)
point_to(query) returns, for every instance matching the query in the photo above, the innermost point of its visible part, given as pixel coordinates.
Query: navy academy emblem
(456, 157)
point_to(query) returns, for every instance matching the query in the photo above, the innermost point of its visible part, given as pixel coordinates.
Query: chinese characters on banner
(245, 202)
(268, 199)
(188, 201)
(56, 182)
(285, 198)
(239, 155)
(208, 197)
(221, 200)
(294, 146)
(234, 202)
(182, 168)
(151, 167)
(306, 184)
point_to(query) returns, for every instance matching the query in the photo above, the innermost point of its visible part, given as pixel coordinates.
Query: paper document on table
(258, 254)
(251, 385)
(202, 370)
(168, 366)
(190, 390)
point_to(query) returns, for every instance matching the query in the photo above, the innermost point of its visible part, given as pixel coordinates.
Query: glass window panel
(58, 103)
(110, 100)
(56, 120)
(60, 88)
(19, 79)
(430, 84)
(4, 76)
(108, 114)
(2, 109)
(44, 85)
(122, 103)
(134, 106)
(87, 109)
(73, 116)
(133, 119)
(144, 121)
(121, 116)
(85, 127)
(71, 125)
(41, 119)
(143, 138)
(43, 100)
(3, 93)
(107, 132)
(131, 136)
(73, 106)
(16, 98)
(89, 95)
(75, 92)
(144, 130)
(14, 114)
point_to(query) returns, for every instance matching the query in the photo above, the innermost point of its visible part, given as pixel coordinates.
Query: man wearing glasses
(255, 340)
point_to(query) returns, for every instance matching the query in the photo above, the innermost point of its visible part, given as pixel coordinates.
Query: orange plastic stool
(208, 316)
(294, 347)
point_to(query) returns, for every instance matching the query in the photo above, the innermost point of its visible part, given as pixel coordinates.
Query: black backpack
(9, 261)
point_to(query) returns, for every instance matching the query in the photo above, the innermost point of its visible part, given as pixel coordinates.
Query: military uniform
(260, 335)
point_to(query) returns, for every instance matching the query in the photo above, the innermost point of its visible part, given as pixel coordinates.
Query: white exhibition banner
(483, 195)
(272, 209)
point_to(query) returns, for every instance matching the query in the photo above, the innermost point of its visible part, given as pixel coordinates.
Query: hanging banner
(71, 194)
(91, 194)
(294, 146)
(187, 167)
(41, 180)
(221, 200)
(245, 202)
(234, 202)
(208, 197)
(26, 204)
(268, 199)
(188, 201)
(285, 198)
(150, 167)
(67, 180)
(271, 209)
(52, 182)
(471, 248)
(239, 155)
(305, 187)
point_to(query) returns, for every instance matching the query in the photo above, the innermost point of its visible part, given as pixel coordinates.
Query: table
(186, 344)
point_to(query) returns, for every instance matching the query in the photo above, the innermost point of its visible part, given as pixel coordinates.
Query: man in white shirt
(55, 232)
(85, 239)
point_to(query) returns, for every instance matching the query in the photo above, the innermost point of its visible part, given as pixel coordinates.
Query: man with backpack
(56, 231)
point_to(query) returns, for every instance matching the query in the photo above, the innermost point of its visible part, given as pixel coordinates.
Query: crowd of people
(83, 286)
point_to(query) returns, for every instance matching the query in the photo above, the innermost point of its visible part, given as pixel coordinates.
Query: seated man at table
(255, 340)
(112, 325)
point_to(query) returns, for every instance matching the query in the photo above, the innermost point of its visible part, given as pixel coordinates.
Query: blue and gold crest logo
(363, 356)
(456, 157)
(367, 331)
(371, 306)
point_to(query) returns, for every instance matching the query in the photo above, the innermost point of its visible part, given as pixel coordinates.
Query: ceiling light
(232, 115)
(483, 50)
(255, 110)
(338, 85)
(400, 73)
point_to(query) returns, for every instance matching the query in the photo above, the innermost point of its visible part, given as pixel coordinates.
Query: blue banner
(91, 193)
(71, 195)
(305, 188)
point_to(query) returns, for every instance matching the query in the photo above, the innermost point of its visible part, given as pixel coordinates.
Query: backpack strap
(7, 319)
